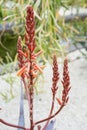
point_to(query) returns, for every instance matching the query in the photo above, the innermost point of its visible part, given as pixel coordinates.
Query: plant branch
(57, 112)
(54, 88)
(51, 111)
(12, 125)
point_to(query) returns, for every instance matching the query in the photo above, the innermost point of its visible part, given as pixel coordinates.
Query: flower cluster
(55, 75)
(65, 82)
(27, 56)
(30, 29)
(27, 61)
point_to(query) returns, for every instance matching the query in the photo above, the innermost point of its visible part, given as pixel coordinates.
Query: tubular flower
(20, 57)
(20, 72)
(27, 56)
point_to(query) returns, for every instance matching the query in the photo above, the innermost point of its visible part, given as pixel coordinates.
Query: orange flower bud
(38, 68)
(21, 71)
(42, 67)
(38, 53)
(59, 102)
(22, 53)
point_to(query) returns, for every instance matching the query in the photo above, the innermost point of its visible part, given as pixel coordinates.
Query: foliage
(50, 27)
(8, 69)
(8, 46)
(48, 31)
(9, 94)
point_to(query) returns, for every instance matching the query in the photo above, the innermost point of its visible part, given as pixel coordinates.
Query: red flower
(55, 75)
(65, 82)
(27, 57)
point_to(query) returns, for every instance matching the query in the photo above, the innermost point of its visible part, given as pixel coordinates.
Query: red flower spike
(29, 37)
(28, 56)
(65, 82)
(55, 75)
(27, 60)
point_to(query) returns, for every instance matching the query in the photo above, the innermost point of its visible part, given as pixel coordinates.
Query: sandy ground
(72, 117)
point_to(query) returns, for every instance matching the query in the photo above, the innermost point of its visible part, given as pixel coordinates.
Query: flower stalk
(27, 61)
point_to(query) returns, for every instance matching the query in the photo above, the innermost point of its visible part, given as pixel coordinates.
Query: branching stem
(11, 125)
(52, 116)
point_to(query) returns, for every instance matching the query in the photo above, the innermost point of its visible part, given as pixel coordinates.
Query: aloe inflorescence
(28, 70)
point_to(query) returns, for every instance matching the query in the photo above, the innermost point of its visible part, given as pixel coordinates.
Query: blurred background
(61, 26)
